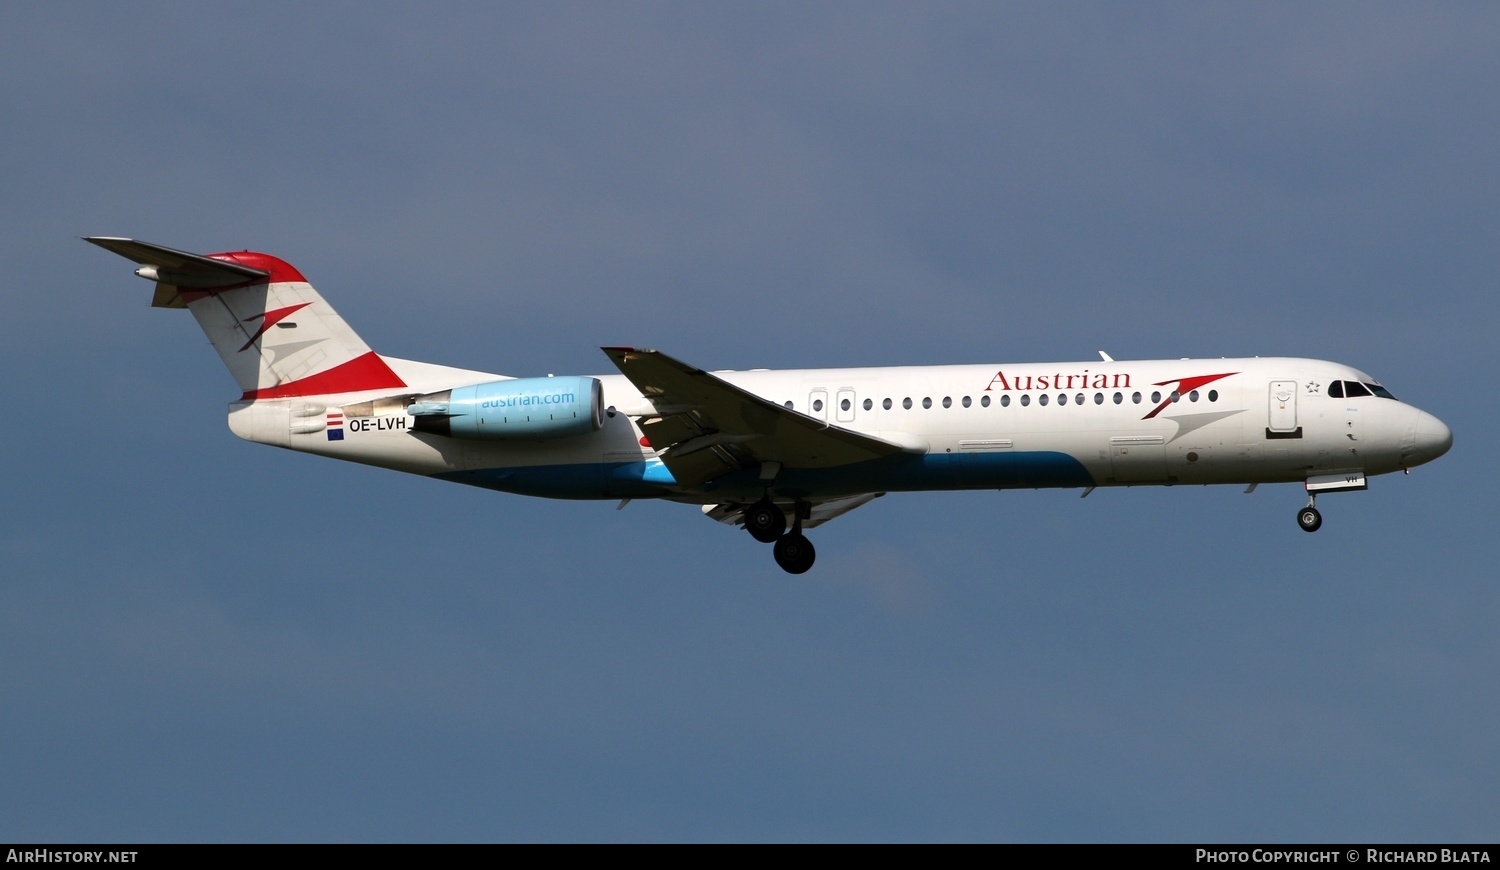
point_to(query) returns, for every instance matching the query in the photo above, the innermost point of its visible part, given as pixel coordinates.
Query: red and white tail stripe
(277, 335)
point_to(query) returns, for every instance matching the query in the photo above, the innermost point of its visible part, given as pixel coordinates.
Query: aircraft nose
(1430, 438)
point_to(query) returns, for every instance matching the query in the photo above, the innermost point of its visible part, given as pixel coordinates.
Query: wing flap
(701, 466)
(671, 429)
(820, 512)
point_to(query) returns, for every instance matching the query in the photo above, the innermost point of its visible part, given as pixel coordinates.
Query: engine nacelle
(523, 408)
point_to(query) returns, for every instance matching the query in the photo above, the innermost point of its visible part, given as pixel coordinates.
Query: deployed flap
(821, 511)
(705, 426)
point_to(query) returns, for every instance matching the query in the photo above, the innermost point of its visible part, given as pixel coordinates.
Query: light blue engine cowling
(523, 408)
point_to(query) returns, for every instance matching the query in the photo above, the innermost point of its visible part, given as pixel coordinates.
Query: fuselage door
(817, 404)
(1283, 406)
(844, 406)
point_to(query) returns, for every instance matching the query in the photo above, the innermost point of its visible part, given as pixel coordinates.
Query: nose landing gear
(1309, 518)
(1345, 481)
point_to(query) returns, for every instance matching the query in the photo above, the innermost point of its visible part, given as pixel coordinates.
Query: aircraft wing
(705, 426)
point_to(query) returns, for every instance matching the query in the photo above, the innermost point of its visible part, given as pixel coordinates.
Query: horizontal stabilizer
(179, 268)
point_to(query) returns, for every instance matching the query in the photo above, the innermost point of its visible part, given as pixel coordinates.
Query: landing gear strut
(1309, 518)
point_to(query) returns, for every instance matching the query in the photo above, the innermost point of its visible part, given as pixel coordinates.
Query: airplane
(779, 452)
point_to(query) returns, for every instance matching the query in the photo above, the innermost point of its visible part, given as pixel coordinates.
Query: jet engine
(517, 409)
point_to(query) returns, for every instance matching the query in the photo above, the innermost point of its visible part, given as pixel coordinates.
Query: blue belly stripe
(1040, 469)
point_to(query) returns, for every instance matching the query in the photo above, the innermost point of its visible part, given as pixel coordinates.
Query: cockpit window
(1355, 389)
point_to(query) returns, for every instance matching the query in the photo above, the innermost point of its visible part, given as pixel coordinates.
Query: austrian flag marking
(335, 426)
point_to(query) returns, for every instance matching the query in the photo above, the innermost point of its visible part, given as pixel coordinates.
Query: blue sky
(203, 639)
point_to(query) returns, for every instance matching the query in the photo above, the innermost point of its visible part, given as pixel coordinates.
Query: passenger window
(1176, 395)
(1136, 398)
(1042, 399)
(906, 403)
(1193, 396)
(844, 405)
(869, 404)
(1336, 390)
(966, 401)
(1099, 398)
(886, 404)
(817, 404)
(1213, 395)
(927, 402)
(1119, 397)
(947, 402)
(1025, 399)
(1062, 399)
(1156, 397)
(1078, 398)
(788, 404)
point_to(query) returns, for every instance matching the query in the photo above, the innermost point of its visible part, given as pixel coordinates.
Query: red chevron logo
(270, 319)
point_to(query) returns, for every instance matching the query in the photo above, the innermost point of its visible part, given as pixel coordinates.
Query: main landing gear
(767, 523)
(794, 553)
(764, 521)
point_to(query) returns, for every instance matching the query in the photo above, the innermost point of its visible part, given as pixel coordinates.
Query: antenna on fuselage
(1106, 357)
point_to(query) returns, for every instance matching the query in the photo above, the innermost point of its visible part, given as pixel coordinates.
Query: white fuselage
(1079, 424)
